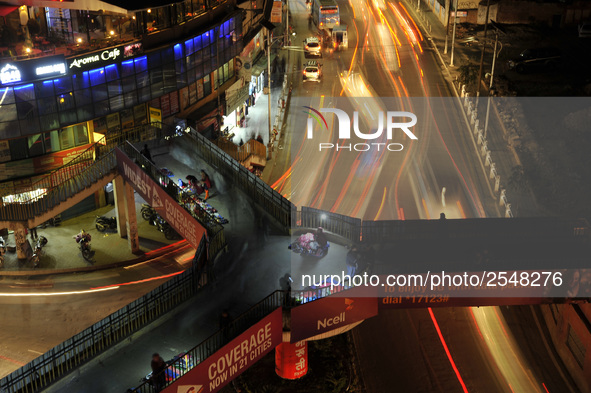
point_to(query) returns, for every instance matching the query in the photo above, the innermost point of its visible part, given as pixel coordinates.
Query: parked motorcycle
(2, 251)
(165, 228)
(103, 223)
(38, 252)
(149, 213)
(306, 245)
(83, 240)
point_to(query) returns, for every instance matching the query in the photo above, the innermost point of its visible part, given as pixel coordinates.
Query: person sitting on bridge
(320, 237)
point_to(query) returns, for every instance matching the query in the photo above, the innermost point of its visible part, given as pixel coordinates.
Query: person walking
(146, 153)
(205, 183)
(158, 378)
(352, 261)
(34, 235)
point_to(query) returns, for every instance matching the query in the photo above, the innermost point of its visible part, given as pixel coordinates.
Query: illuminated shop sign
(34, 69)
(107, 56)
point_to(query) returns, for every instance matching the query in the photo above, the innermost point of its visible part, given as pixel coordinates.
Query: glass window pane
(197, 43)
(130, 99)
(30, 124)
(49, 122)
(156, 82)
(83, 97)
(116, 103)
(127, 68)
(66, 101)
(101, 108)
(99, 93)
(45, 89)
(128, 84)
(68, 117)
(188, 47)
(7, 95)
(144, 94)
(66, 138)
(81, 81)
(167, 55)
(205, 39)
(47, 106)
(85, 113)
(206, 85)
(114, 88)
(24, 93)
(97, 76)
(62, 85)
(142, 80)
(178, 52)
(80, 134)
(51, 141)
(35, 143)
(8, 113)
(112, 72)
(18, 148)
(154, 60)
(25, 109)
(141, 64)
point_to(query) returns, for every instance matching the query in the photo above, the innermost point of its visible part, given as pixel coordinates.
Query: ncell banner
(234, 358)
(330, 313)
(169, 209)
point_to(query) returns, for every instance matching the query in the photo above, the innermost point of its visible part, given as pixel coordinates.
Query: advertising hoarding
(234, 358)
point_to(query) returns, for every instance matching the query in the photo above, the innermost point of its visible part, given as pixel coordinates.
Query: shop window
(231, 67)
(47, 106)
(206, 85)
(18, 148)
(68, 117)
(197, 43)
(142, 80)
(178, 52)
(116, 103)
(99, 93)
(6, 96)
(83, 97)
(156, 83)
(97, 77)
(128, 84)
(45, 89)
(81, 81)
(111, 72)
(49, 122)
(154, 60)
(7, 113)
(51, 141)
(66, 101)
(80, 134)
(24, 93)
(141, 64)
(66, 137)
(130, 99)
(85, 113)
(62, 85)
(226, 73)
(35, 143)
(114, 88)
(127, 68)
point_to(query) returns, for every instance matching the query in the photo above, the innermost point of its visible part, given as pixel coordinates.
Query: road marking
(37, 352)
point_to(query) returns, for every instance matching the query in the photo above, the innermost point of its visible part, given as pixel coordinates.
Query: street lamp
(498, 29)
(453, 36)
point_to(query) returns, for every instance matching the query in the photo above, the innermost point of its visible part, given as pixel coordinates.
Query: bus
(325, 14)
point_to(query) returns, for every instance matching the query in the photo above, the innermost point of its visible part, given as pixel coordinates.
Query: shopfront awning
(261, 65)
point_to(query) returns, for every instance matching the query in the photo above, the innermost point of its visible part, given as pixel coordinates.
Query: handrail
(221, 337)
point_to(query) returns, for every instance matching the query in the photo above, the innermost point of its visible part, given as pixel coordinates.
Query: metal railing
(220, 338)
(82, 347)
(241, 153)
(259, 191)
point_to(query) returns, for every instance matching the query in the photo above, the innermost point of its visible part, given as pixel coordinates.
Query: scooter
(148, 213)
(103, 223)
(83, 240)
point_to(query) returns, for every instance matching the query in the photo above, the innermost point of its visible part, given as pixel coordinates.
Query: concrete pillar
(20, 239)
(131, 218)
(119, 194)
(291, 360)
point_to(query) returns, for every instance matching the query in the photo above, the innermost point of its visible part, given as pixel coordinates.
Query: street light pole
(285, 42)
(482, 54)
(447, 27)
(453, 37)
(269, 87)
(492, 75)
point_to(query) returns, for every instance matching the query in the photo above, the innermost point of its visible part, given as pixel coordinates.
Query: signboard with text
(34, 69)
(330, 313)
(277, 12)
(169, 209)
(218, 370)
(105, 57)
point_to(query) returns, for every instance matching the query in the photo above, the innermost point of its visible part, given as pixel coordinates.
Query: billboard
(332, 312)
(234, 358)
(277, 12)
(169, 209)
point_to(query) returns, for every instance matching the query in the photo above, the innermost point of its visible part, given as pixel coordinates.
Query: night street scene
(295, 196)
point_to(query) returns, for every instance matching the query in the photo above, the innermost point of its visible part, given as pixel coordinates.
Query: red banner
(234, 358)
(169, 209)
(332, 312)
(291, 360)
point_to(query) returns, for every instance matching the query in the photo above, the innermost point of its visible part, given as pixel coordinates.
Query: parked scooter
(38, 252)
(149, 213)
(103, 223)
(2, 251)
(165, 228)
(83, 239)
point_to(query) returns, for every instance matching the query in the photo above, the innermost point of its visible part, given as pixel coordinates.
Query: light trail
(381, 204)
(115, 286)
(42, 294)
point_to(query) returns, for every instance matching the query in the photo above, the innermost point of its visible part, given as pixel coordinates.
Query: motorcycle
(83, 240)
(38, 252)
(103, 223)
(165, 228)
(149, 213)
(306, 245)
(2, 251)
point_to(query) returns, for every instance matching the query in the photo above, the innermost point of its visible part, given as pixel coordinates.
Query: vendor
(205, 183)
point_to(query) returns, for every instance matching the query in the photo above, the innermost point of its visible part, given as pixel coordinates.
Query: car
(585, 30)
(312, 47)
(312, 71)
(536, 58)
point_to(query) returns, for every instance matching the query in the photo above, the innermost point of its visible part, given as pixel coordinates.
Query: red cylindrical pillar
(291, 360)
